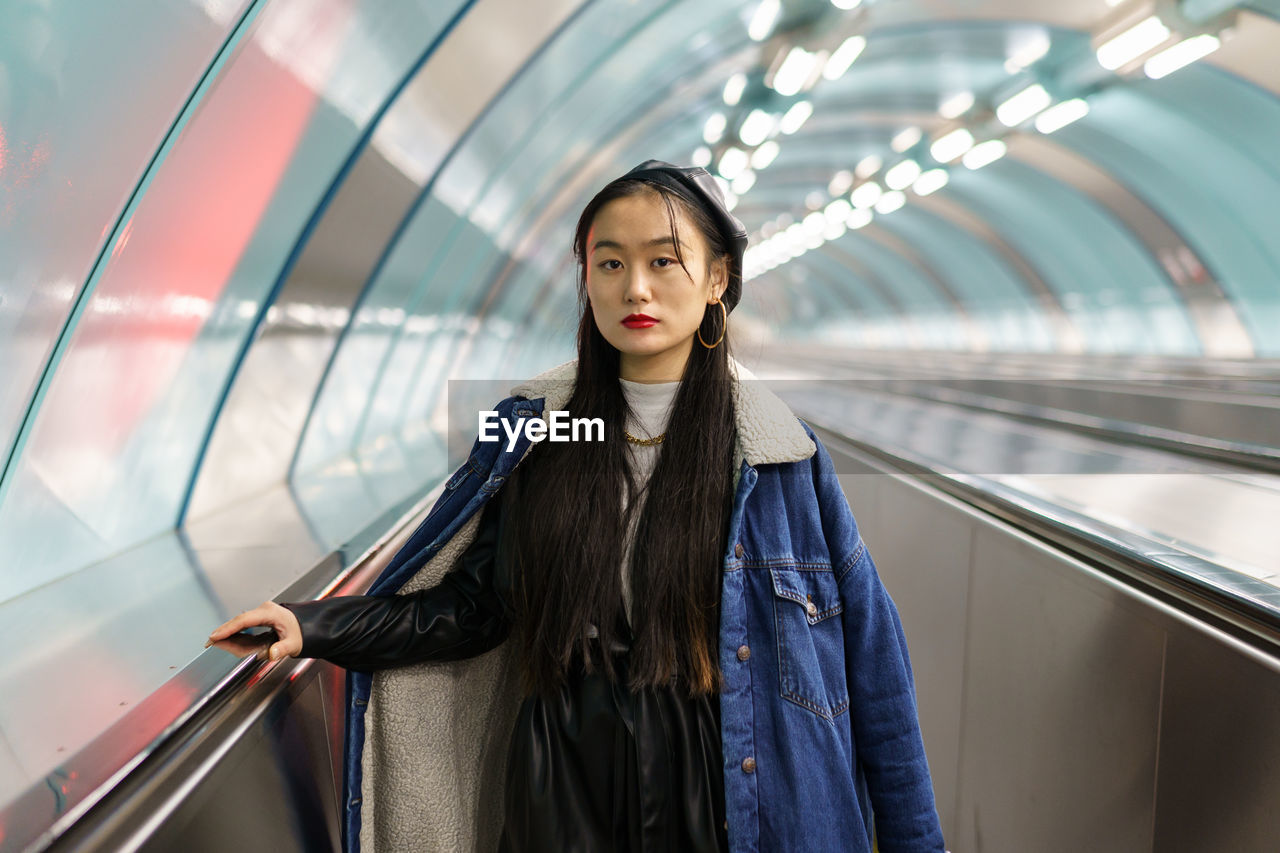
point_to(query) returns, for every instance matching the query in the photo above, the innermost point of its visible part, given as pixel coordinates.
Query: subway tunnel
(1016, 264)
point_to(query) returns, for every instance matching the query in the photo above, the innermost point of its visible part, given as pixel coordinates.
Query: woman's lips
(639, 323)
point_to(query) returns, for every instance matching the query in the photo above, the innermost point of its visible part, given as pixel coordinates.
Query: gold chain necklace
(646, 442)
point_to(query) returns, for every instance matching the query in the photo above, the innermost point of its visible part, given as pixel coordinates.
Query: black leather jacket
(595, 767)
(466, 614)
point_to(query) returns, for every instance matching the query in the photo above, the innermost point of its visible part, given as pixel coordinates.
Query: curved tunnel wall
(244, 244)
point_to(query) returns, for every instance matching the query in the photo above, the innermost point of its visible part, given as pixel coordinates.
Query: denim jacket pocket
(811, 649)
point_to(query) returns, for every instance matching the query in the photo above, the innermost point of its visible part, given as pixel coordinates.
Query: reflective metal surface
(1062, 710)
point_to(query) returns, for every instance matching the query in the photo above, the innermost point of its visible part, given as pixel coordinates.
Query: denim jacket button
(811, 609)
(744, 652)
(738, 550)
(748, 765)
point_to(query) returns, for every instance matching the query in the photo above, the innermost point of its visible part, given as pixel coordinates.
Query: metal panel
(921, 546)
(1219, 775)
(1062, 687)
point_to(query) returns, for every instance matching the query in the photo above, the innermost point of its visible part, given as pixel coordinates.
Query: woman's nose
(637, 288)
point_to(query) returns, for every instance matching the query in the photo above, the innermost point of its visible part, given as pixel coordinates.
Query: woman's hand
(270, 614)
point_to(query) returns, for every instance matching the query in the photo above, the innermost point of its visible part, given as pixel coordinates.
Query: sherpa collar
(768, 430)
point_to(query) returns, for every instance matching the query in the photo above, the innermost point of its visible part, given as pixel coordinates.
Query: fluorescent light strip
(732, 162)
(764, 155)
(1132, 43)
(957, 105)
(866, 195)
(1061, 115)
(988, 152)
(762, 21)
(930, 181)
(793, 118)
(952, 145)
(714, 128)
(902, 175)
(891, 201)
(794, 71)
(905, 139)
(1023, 105)
(843, 56)
(756, 128)
(734, 87)
(1181, 54)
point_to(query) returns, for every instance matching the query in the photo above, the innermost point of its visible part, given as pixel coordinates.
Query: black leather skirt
(600, 768)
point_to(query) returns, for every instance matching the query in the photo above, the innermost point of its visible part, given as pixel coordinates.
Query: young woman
(691, 647)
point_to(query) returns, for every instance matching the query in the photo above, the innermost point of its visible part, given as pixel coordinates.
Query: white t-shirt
(652, 402)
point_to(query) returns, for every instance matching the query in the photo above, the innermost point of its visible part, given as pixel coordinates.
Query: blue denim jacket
(820, 735)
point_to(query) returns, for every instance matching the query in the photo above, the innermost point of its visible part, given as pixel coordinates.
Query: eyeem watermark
(557, 427)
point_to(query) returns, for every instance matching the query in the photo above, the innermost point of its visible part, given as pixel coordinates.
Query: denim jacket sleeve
(462, 616)
(886, 726)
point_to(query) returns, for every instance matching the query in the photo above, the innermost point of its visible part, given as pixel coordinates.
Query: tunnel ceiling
(1140, 225)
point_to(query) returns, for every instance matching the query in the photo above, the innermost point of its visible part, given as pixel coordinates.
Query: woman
(705, 655)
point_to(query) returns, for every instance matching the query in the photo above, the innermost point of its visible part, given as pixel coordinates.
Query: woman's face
(632, 269)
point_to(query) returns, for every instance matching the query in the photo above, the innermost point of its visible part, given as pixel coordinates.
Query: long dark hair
(566, 502)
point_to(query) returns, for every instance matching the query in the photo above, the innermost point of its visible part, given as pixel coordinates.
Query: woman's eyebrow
(612, 244)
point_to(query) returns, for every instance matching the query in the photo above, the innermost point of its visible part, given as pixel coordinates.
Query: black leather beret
(698, 183)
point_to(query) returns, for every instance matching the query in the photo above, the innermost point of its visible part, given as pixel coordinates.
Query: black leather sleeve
(462, 616)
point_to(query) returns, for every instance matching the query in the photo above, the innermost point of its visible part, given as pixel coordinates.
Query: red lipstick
(638, 321)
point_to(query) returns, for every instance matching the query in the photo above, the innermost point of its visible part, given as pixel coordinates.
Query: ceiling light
(1061, 115)
(734, 87)
(814, 200)
(1183, 53)
(889, 202)
(714, 128)
(866, 195)
(701, 156)
(730, 200)
(838, 210)
(858, 219)
(1132, 43)
(840, 182)
(957, 105)
(794, 71)
(762, 21)
(764, 155)
(745, 181)
(793, 118)
(1023, 105)
(732, 162)
(949, 147)
(843, 57)
(930, 181)
(815, 222)
(900, 176)
(988, 152)
(905, 139)
(756, 127)
(867, 166)
(834, 229)
(1033, 44)
(846, 4)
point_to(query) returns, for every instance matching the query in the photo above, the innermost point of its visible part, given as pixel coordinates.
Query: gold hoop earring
(724, 328)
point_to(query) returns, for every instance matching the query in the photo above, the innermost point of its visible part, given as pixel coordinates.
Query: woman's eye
(669, 261)
(605, 264)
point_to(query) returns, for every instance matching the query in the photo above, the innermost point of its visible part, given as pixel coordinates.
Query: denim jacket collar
(768, 431)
